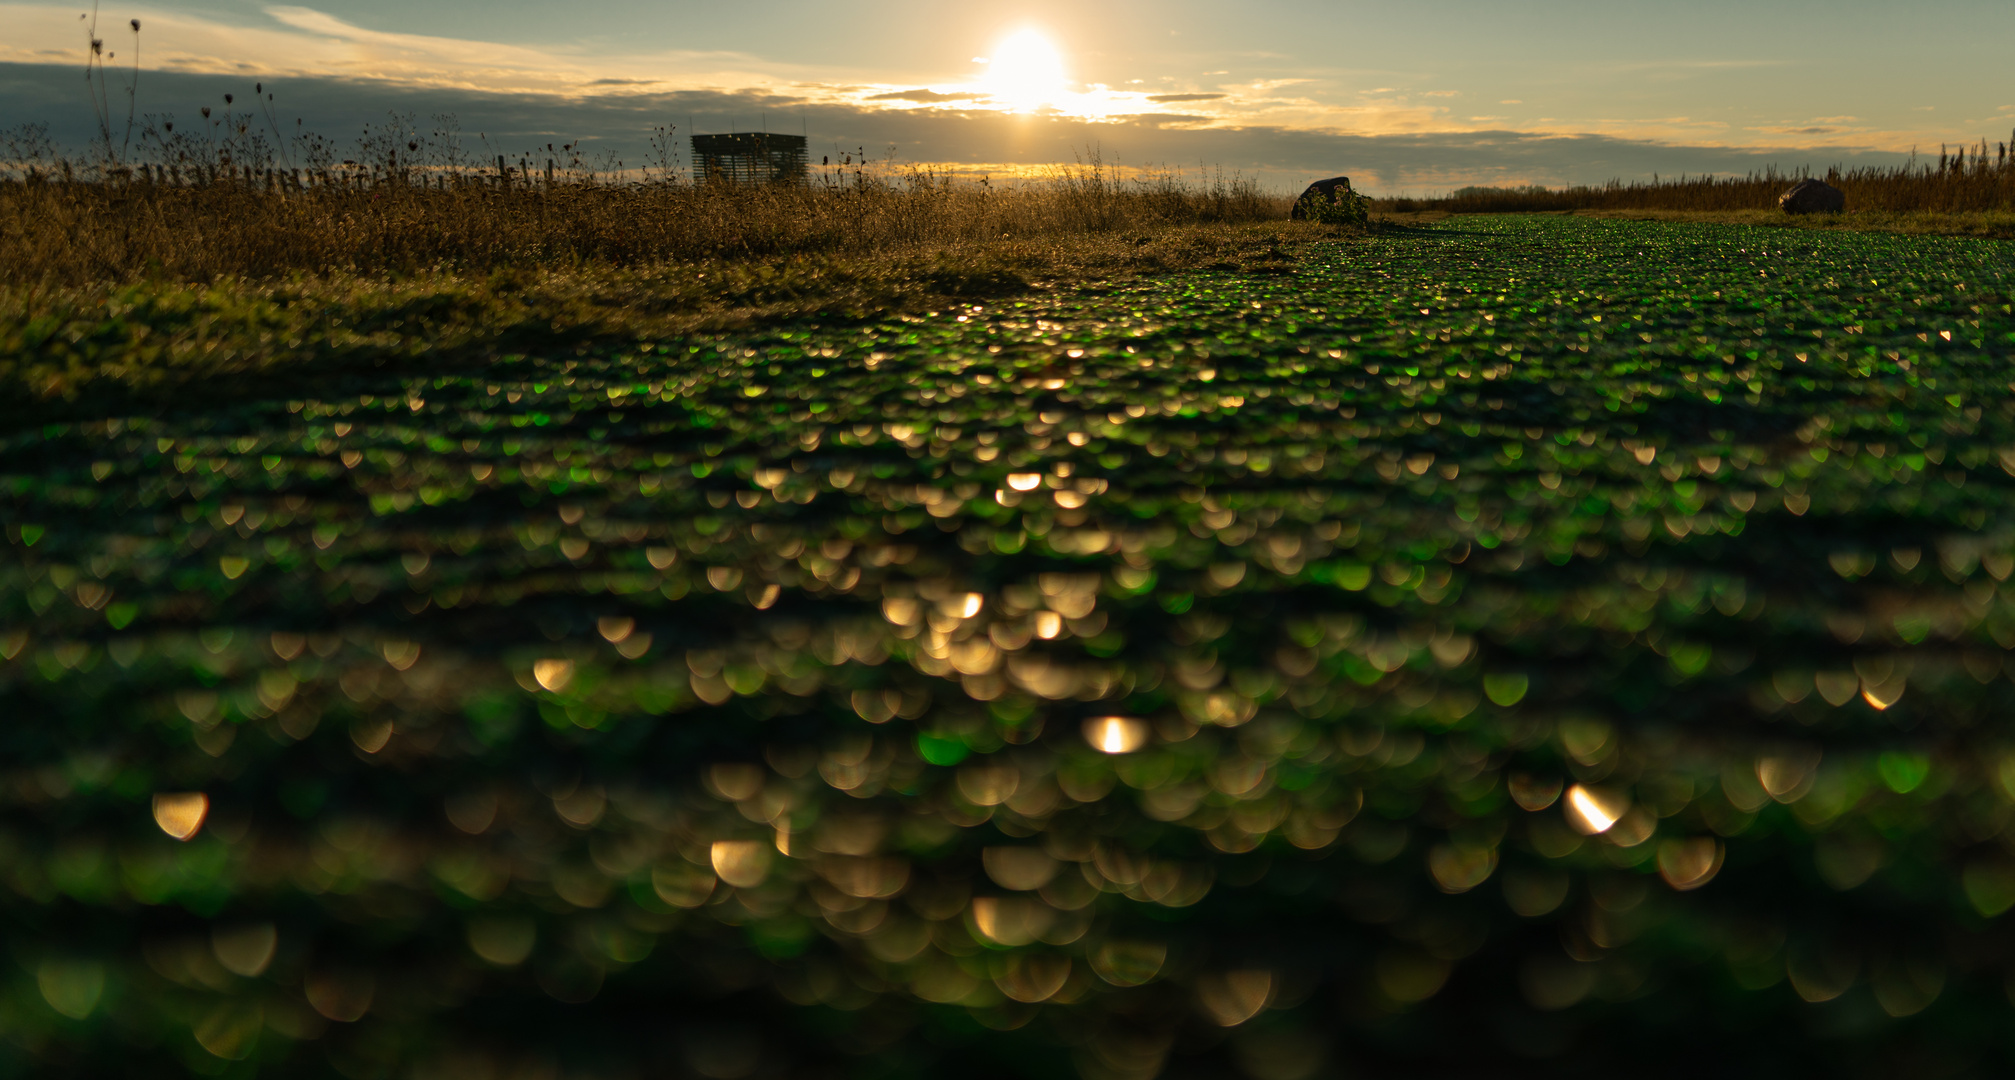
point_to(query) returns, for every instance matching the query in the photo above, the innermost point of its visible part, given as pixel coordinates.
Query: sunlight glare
(1026, 72)
(1115, 734)
(1592, 811)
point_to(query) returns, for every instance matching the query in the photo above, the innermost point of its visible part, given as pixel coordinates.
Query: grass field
(1542, 640)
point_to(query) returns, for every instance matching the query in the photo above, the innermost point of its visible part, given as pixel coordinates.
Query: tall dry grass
(1969, 180)
(130, 283)
(205, 221)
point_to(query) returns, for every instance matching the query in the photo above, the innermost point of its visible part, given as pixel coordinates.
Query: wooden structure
(749, 158)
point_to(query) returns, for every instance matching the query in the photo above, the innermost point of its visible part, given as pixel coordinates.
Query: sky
(1416, 97)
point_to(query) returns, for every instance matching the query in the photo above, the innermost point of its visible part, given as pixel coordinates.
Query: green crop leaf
(1904, 772)
(1990, 887)
(1019, 639)
(1506, 690)
(1690, 659)
(71, 987)
(942, 751)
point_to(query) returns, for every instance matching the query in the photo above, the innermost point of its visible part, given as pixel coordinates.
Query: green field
(720, 706)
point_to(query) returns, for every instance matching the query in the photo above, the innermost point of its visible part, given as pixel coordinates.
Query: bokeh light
(180, 814)
(1255, 675)
(1115, 734)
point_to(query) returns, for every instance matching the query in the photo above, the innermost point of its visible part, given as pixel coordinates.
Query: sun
(1026, 72)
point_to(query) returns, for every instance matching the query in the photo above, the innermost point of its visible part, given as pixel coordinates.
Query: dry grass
(146, 283)
(258, 225)
(1972, 181)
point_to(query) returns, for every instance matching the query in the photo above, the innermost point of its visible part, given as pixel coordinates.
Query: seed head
(227, 99)
(136, 25)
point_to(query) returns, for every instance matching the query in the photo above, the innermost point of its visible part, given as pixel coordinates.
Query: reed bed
(199, 224)
(1972, 179)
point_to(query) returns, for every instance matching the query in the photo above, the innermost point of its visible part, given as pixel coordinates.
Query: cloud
(922, 96)
(1282, 155)
(303, 42)
(519, 91)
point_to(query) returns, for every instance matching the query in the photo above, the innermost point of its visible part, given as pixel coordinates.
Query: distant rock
(1812, 197)
(1322, 191)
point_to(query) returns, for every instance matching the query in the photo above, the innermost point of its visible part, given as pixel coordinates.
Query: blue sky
(1421, 95)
